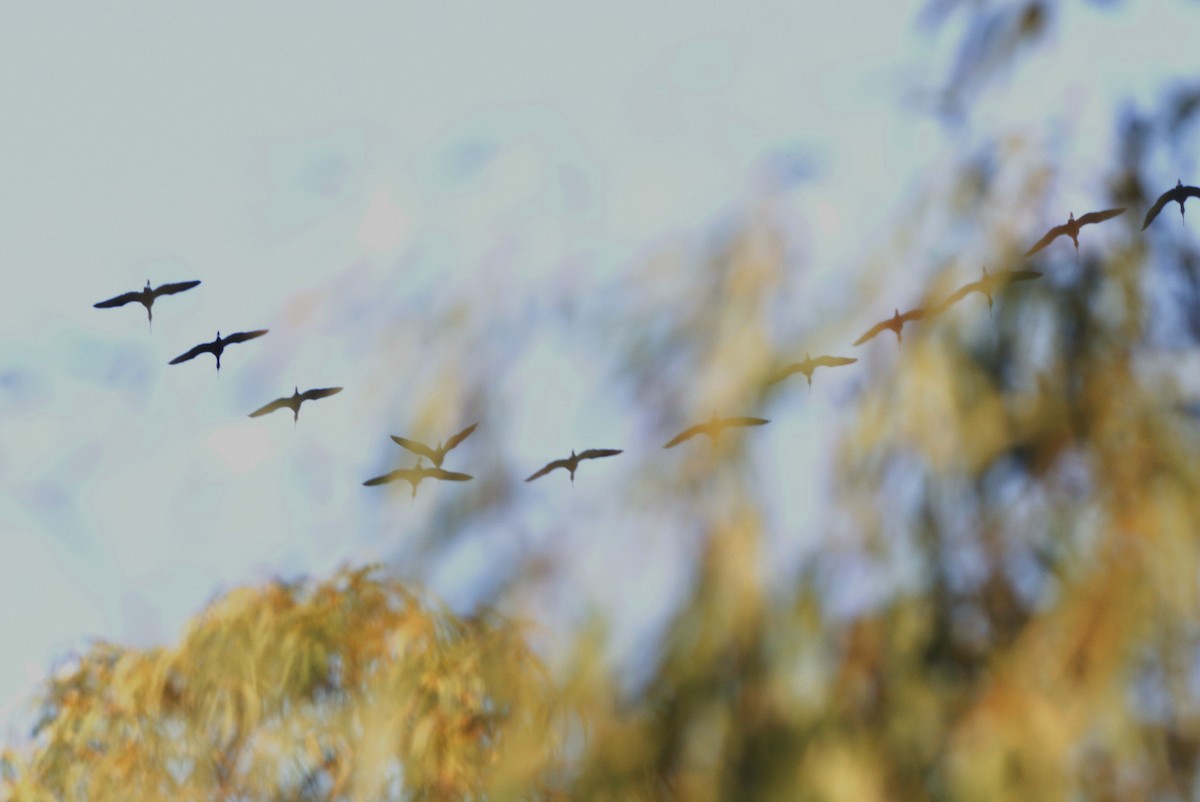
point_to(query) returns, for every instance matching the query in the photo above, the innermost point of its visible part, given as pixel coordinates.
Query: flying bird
(217, 346)
(146, 296)
(1071, 228)
(415, 474)
(571, 463)
(991, 282)
(295, 400)
(713, 428)
(1179, 194)
(436, 455)
(809, 365)
(895, 323)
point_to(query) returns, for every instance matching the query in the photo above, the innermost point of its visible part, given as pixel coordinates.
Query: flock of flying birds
(988, 284)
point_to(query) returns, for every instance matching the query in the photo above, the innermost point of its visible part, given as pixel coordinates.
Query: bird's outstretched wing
(1057, 231)
(832, 361)
(120, 300)
(403, 473)
(874, 330)
(242, 336)
(916, 314)
(959, 294)
(558, 463)
(415, 447)
(323, 392)
(1099, 217)
(595, 453)
(463, 435)
(743, 421)
(203, 348)
(1162, 201)
(278, 403)
(784, 372)
(453, 476)
(686, 434)
(1019, 275)
(171, 289)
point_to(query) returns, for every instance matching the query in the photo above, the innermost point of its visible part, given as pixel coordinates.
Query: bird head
(147, 284)
(1072, 218)
(806, 356)
(1178, 185)
(295, 389)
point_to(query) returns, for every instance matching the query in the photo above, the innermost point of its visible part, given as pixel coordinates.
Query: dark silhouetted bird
(436, 455)
(217, 346)
(1179, 194)
(712, 428)
(991, 282)
(146, 296)
(571, 463)
(895, 323)
(809, 365)
(295, 400)
(1071, 228)
(415, 474)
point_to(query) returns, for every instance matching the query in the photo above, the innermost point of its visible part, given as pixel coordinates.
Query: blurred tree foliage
(1022, 489)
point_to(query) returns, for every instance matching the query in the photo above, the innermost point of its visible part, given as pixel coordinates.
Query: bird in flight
(571, 463)
(1071, 228)
(415, 474)
(991, 282)
(895, 323)
(809, 365)
(295, 400)
(712, 428)
(217, 346)
(436, 455)
(1179, 194)
(146, 296)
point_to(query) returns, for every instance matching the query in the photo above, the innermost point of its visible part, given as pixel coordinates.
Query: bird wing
(203, 348)
(414, 446)
(558, 463)
(120, 300)
(242, 336)
(458, 438)
(960, 293)
(915, 314)
(1098, 217)
(403, 473)
(833, 361)
(1020, 275)
(1191, 192)
(685, 435)
(171, 289)
(278, 403)
(595, 453)
(1162, 201)
(1046, 240)
(783, 373)
(871, 332)
(453, 476)
(743, 421)
(324, 392)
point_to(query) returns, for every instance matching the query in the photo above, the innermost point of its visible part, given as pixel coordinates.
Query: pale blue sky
(357, 181)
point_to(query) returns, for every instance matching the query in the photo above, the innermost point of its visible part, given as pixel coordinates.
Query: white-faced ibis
(991, 282)
(436, 455)
(146, 296)
(1179, 194)
(1071, 228)
(217, 346)
(713, 428)
(809, 365)
(415, 474)
(571, 463)
(895, 323)
(294, 401)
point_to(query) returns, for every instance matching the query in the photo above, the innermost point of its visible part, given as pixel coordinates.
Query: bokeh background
(592, 227)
